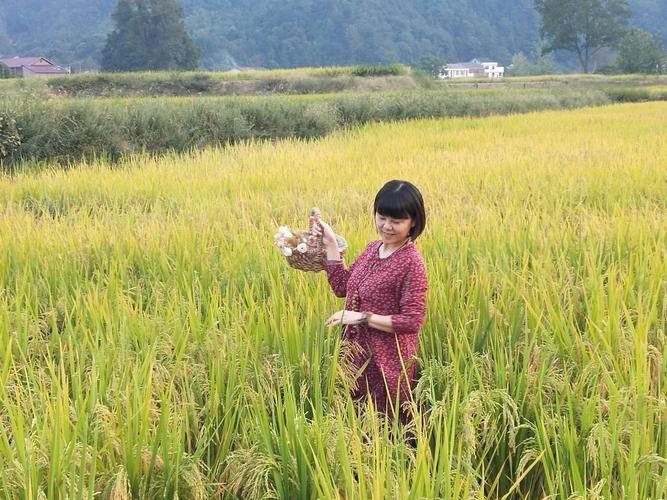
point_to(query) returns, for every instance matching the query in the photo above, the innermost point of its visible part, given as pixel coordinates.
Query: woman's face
(391, 230)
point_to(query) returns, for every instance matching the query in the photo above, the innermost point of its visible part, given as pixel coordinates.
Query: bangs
(391, 205)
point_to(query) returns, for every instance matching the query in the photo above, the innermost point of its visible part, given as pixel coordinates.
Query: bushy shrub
(629, 95)
(321, 85)
(69, 130)
(197, 82)
(10, 140)
(379, 69)
(317, 119)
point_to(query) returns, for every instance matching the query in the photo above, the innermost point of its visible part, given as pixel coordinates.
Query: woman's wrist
(332, 252)
(364, 318)
(380, 322)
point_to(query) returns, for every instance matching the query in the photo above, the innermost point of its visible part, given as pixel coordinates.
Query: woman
(384, 292)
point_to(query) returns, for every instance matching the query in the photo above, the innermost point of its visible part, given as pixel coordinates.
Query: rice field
(153, 343)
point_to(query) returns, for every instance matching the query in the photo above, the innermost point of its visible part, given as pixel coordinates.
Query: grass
(166, 83)
(67, 130)
(331, 79)
(154, 344)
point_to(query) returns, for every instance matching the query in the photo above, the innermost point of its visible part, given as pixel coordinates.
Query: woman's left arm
(345, 317)
(412, 302)
(412, 305)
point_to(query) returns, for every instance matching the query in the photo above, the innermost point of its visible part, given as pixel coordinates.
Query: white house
(457, 70)
(492, 69)
(477, 68)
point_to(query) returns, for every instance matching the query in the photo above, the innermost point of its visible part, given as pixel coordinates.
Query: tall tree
(641, 52)
(124, 49)
(148, 35)
(582, 26)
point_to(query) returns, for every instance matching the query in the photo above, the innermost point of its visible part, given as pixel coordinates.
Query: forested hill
(288, 33)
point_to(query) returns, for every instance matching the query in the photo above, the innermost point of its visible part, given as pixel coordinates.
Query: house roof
(474, 64)
(17, 61)
(33, 64)
(468, 65)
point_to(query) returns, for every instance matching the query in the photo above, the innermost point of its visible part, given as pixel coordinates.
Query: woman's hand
(344, 317)
(321, 228)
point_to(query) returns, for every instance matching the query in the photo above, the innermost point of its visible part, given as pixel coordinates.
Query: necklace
(394, 251)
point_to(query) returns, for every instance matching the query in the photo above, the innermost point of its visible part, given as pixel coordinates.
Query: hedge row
(66, 131)
(162, 83)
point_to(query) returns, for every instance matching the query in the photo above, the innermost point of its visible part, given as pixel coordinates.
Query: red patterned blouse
(392, 286)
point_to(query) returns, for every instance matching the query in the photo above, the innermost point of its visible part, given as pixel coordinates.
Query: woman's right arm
(337, 273)
(338, 276)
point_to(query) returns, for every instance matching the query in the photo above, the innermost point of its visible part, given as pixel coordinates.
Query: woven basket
(313, 259)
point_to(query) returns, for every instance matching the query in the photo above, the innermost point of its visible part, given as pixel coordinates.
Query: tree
(582, 26)
(431, 64)
(148, 35)
(641, 52)
(522, 66)
(124, 49)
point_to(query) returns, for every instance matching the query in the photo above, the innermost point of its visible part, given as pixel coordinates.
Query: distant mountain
(288, 33)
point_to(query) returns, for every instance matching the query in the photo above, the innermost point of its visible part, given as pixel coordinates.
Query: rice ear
(121, 486)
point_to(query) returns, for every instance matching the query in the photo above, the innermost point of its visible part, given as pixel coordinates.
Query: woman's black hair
(400, 200)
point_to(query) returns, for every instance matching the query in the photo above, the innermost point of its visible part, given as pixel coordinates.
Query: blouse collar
(379, 244)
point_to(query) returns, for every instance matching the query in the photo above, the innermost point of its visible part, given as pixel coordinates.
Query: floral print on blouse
(392, 286)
